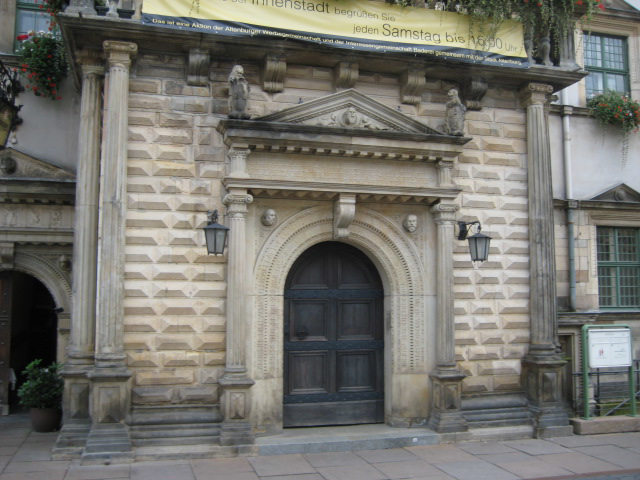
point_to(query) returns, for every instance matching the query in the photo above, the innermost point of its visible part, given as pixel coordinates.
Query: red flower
(601, 6)
(22, 38)
(579, 2)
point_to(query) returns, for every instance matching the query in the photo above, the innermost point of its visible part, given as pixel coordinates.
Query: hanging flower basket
(44, 63)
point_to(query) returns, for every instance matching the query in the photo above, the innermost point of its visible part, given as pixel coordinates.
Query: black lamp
(478, 243)
(215, 234)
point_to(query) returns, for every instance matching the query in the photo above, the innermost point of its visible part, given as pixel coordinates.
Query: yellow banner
(355, 24)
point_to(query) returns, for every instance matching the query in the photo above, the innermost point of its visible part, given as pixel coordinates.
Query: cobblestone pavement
(25, 455)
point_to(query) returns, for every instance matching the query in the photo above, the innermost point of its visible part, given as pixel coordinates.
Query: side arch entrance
(334, 339)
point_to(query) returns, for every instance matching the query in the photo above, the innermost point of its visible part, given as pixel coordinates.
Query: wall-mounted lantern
(215, 234)
(478, 243)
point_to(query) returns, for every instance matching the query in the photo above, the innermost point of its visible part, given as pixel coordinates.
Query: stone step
(344, 438)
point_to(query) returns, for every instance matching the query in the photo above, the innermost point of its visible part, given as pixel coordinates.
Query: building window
(605, 58)
(29, 16)
(618, 267)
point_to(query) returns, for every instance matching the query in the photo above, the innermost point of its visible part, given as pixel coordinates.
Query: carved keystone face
(269, 217)
(411, 223)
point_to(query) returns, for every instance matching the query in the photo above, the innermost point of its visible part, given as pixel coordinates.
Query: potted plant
(42, 393)
(101, 7)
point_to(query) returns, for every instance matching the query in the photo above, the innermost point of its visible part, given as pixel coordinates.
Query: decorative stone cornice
(412, 83)
(535, 94)
(473, 91)
(198, 67)
(120, 53)
(273, 73)
(344, 210)
(345, 75)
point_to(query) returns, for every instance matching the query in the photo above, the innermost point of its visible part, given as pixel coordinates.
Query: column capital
(444, 213)
(120, 53)
(91, 61)
(237, 204)
(535, 94)
(444, 168)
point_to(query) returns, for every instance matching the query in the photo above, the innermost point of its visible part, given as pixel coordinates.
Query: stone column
(446, 379)
(542, 365)
(235, 382)
(82, 336)
(110, 378)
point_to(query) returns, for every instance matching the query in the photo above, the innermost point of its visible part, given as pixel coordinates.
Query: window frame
(23, 6)
(616, 265)
(607, 70)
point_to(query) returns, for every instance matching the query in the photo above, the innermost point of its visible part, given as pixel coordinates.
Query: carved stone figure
(410, 223)
(454, 117)
(349, 118)
(238, 94)
(269, 217)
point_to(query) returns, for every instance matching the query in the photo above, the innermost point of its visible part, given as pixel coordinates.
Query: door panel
(333, 339)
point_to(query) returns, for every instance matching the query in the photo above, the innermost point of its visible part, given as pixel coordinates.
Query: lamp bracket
(465, 227)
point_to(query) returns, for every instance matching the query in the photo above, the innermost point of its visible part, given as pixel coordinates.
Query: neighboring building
(344, 296)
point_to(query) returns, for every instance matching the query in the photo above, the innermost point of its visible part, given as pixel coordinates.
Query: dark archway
(28, 330)
(334, 339)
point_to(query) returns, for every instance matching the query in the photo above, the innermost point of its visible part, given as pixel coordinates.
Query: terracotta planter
(45, 419)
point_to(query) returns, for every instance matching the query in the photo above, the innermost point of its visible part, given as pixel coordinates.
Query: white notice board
(609, 347)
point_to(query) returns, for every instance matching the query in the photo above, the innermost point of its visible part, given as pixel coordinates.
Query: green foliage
(558, 17)
(43, 386)
(614, 108)
(44, 63)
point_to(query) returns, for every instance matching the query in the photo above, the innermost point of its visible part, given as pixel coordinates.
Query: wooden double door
(334, 339)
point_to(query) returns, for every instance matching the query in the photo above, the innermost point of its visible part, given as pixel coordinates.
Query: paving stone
(407, 469)
(25, 467)
(534, 468)
(485, 448)
(281, 465)
(499, 458)
(351, 472)
(162, 471)
(582, 440)
(578, 463)
(304, 476)
(537, 447)
(613, 454)
(49, 475)
(390, 455)
(333, 459)
(101, 472)
(476, 470)
(441, 453)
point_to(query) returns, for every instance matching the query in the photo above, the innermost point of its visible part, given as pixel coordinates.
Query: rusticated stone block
(181, 359)
(210, 375)
(214, 324)
(213, 308)
(148, 102)
(139, 150)
(191, 104)
(141, 324)
(146, 119)
(173, 152)
(491, 292)
(484, 353)
(504, 159)
(140, 168)
(172, 87)
(178, 309)
(517, 336)
(174, 342)
(181, 325)
(503, 383)
(514, 351)
(510, 117)
(466, 337)
(164, 377)
(144, 86)
(159, 71)
(462, 292)
(174, 120)
(209, 153)
(151, 395)
(477, 384)
(136, 342)
(210, 341)
(482, 128)
(499, 367)
(143, 360)
(208, 395)
(173, 136)
(515, 321)
(212, 359)
(491, 337)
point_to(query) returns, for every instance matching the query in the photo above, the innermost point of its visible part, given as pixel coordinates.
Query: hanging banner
(351, 24)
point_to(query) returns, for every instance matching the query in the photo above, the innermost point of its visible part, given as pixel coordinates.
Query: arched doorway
(334, 339)
(28, 330)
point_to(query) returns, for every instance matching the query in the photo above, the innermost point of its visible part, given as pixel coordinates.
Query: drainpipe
(572, 204)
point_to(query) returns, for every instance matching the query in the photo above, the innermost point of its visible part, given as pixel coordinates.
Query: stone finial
(454, 116)
(238, 94)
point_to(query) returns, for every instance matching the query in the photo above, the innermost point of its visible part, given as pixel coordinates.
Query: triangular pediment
(620, 193)
(15, 165)
(350, 109)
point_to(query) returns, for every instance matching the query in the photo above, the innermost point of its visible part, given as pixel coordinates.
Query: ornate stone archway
(407, 319)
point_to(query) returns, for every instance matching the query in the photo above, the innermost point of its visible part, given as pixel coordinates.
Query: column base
(446, 414)
(108, 444)
(542, 377)
(110, 394)
(236, 429)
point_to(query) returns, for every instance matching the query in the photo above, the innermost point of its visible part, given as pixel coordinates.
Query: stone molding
(473, 91)
(535, 94)
(120, 54)
(344, 209)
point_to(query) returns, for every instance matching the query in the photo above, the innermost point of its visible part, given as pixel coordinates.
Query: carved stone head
(411, 223)
(7, 165)
(269, 217)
